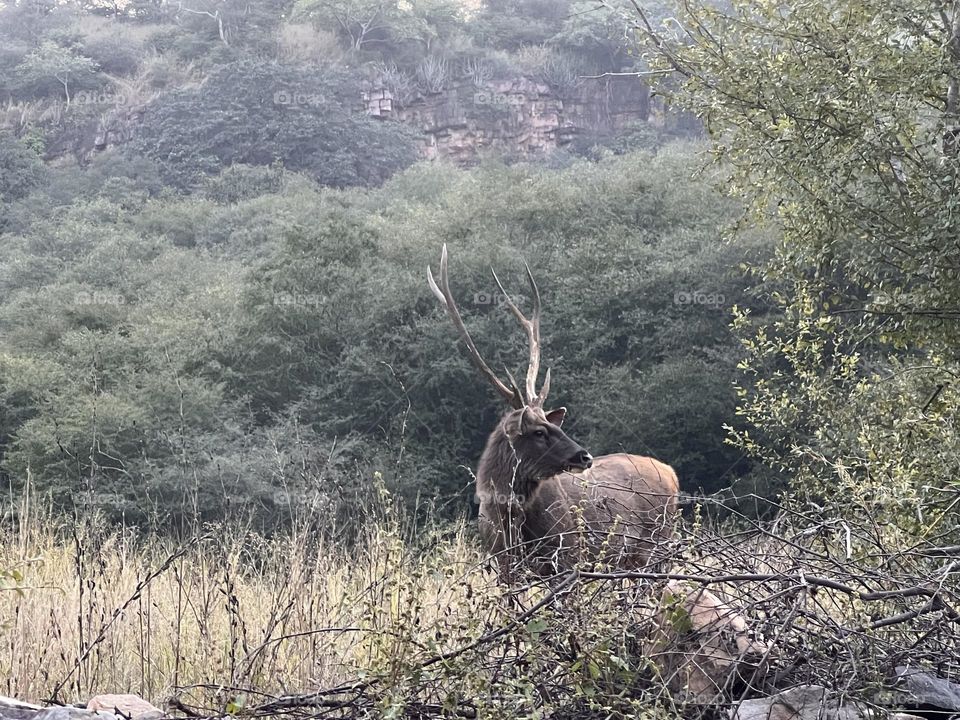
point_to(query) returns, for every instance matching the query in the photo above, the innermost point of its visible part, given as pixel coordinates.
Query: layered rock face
(518, 116)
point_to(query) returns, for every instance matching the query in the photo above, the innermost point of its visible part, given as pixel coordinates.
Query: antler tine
(446, 297)
(536, 299)
(544, 389)
(532, 329)
(513, 383)
(435, 289)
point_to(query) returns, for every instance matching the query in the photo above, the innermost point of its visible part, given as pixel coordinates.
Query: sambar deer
(540, 492)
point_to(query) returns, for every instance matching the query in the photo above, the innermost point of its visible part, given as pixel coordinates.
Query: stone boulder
(921, 688)
(805, 702)
(11, 709)
(129, 706)
(102, 707)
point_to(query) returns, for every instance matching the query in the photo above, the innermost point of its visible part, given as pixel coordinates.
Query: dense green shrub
(852, 391)
(161, 350)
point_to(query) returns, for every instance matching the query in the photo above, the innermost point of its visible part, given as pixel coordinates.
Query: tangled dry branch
(714, 619)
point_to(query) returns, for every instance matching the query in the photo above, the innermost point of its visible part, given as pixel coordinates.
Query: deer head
(528, 439)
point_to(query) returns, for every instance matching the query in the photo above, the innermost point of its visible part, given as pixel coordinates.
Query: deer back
(615, 512)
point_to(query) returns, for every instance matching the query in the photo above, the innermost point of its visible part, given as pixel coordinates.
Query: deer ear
(556, 416)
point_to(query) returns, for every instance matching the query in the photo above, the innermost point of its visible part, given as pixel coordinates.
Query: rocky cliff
(519, 116)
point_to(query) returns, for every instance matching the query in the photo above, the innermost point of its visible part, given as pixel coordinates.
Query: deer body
(614, 511)
(543, 498)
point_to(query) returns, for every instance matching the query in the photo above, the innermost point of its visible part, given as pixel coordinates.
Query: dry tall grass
(408, 621)
(104, 610)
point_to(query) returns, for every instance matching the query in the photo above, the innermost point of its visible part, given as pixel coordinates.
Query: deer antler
(532, 329)
(514, 397)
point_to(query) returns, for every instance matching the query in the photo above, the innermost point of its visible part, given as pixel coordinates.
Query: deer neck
(500, 476)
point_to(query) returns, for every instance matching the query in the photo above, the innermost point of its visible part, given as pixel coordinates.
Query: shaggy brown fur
(532, 506)
(542, 497)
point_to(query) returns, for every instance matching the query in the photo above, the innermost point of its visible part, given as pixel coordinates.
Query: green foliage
(596, 34)
(402, 31)
(207, 313)
(114, 54)
(558, 70)
(634, 136)
(260, 113)
(11, 55)
(211, 32)
(21, 170)
(845, 141)
(29, 21)
(511, 25)
(51, 67)
(361, 272)
(269, 344)
(243, 182)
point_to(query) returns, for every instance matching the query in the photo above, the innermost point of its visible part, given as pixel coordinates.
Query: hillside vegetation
(207, 319)
(238, 435)
(268, 343)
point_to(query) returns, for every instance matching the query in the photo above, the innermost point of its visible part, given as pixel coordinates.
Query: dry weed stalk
(415, 624)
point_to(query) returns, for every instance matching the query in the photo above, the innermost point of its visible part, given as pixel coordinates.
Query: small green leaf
(236, 705)
(535, 627)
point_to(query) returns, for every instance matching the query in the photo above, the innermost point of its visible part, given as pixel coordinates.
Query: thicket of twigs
(410, 621)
